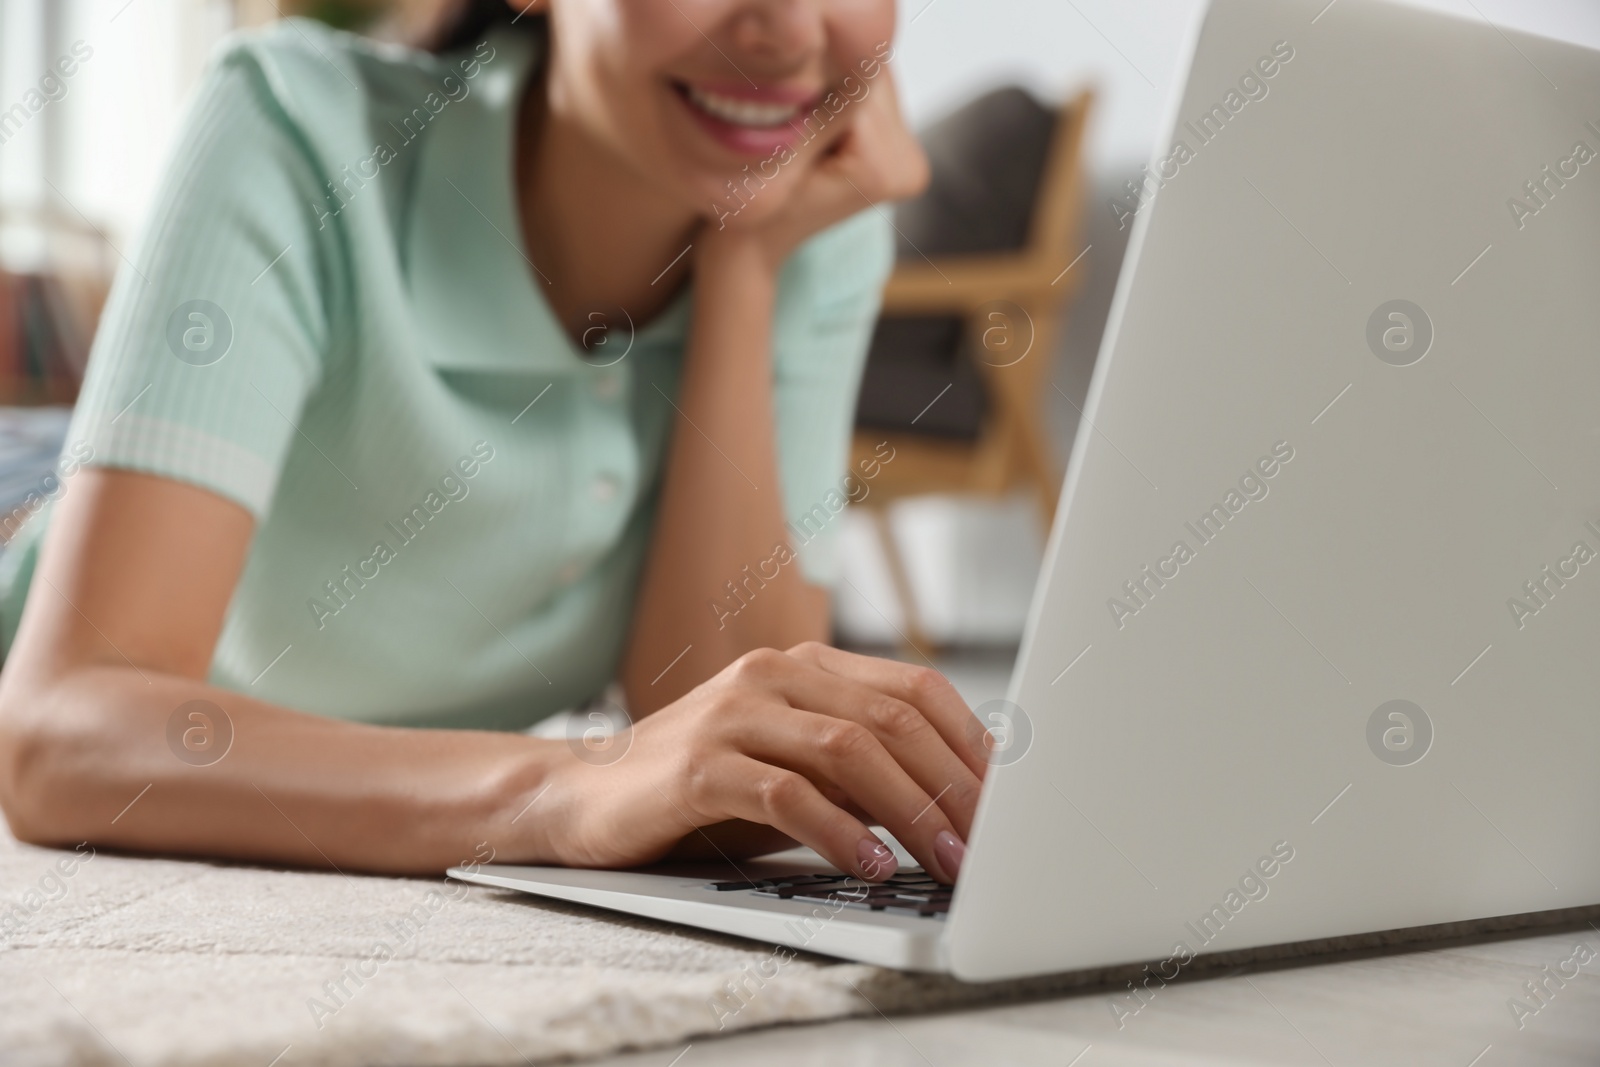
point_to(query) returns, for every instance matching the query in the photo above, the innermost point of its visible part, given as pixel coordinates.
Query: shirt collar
(476, 294)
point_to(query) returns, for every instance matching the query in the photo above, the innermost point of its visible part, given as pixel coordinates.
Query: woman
(445, 388)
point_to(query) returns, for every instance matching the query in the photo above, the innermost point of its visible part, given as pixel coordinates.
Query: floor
(1455, 1005)
(1447, 1007)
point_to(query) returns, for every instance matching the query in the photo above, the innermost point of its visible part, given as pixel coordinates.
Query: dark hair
(461, 23)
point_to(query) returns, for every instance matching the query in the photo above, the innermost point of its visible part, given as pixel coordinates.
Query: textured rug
(117, 960)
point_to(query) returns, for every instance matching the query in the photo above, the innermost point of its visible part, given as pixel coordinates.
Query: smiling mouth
(742, 112)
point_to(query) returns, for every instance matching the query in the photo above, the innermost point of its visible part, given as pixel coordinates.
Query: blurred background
(1036, 113)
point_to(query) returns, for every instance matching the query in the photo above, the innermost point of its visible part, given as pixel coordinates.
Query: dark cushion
(986, 160)
(911, 361)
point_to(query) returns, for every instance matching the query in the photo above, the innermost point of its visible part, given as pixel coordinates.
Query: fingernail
(875, 860)
(949, 851)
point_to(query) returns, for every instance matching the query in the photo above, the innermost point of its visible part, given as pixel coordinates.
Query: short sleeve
(828, 305)
(216, 328)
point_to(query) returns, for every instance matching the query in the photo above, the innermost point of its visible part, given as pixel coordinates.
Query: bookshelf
(55, 272)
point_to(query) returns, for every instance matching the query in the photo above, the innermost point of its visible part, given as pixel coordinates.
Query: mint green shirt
(331, 320)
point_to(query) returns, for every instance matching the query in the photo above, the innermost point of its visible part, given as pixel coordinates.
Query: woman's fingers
(900, 727)
(785, 799)
(921, 687)
(819, 743)
(874, 158)
(848, 755)
(879, 153)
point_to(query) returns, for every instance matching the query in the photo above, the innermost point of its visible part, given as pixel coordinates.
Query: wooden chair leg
(1037, 450)
(1015, 391)
(914, 640)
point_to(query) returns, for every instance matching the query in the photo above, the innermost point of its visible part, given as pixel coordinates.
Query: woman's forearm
(720, 520)
(90, 757)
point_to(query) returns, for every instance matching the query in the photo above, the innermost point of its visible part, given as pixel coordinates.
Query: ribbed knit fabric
(331, 320)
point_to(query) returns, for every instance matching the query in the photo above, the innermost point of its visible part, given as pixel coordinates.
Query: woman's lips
(749, 121)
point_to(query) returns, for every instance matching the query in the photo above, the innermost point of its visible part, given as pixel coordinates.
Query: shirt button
(568, 572)
(607, 384)
(605, 488)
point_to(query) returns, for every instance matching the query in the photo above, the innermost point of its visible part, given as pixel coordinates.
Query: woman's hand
(875, 158)
(813, 742)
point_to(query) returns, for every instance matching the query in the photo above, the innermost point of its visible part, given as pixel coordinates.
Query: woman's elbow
(30, 794)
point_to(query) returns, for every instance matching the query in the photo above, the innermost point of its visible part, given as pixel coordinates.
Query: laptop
(1314, 650)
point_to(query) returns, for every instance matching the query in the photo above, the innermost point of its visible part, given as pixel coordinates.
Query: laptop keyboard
(910, 891)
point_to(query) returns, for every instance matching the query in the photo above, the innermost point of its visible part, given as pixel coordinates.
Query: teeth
(742, 112)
